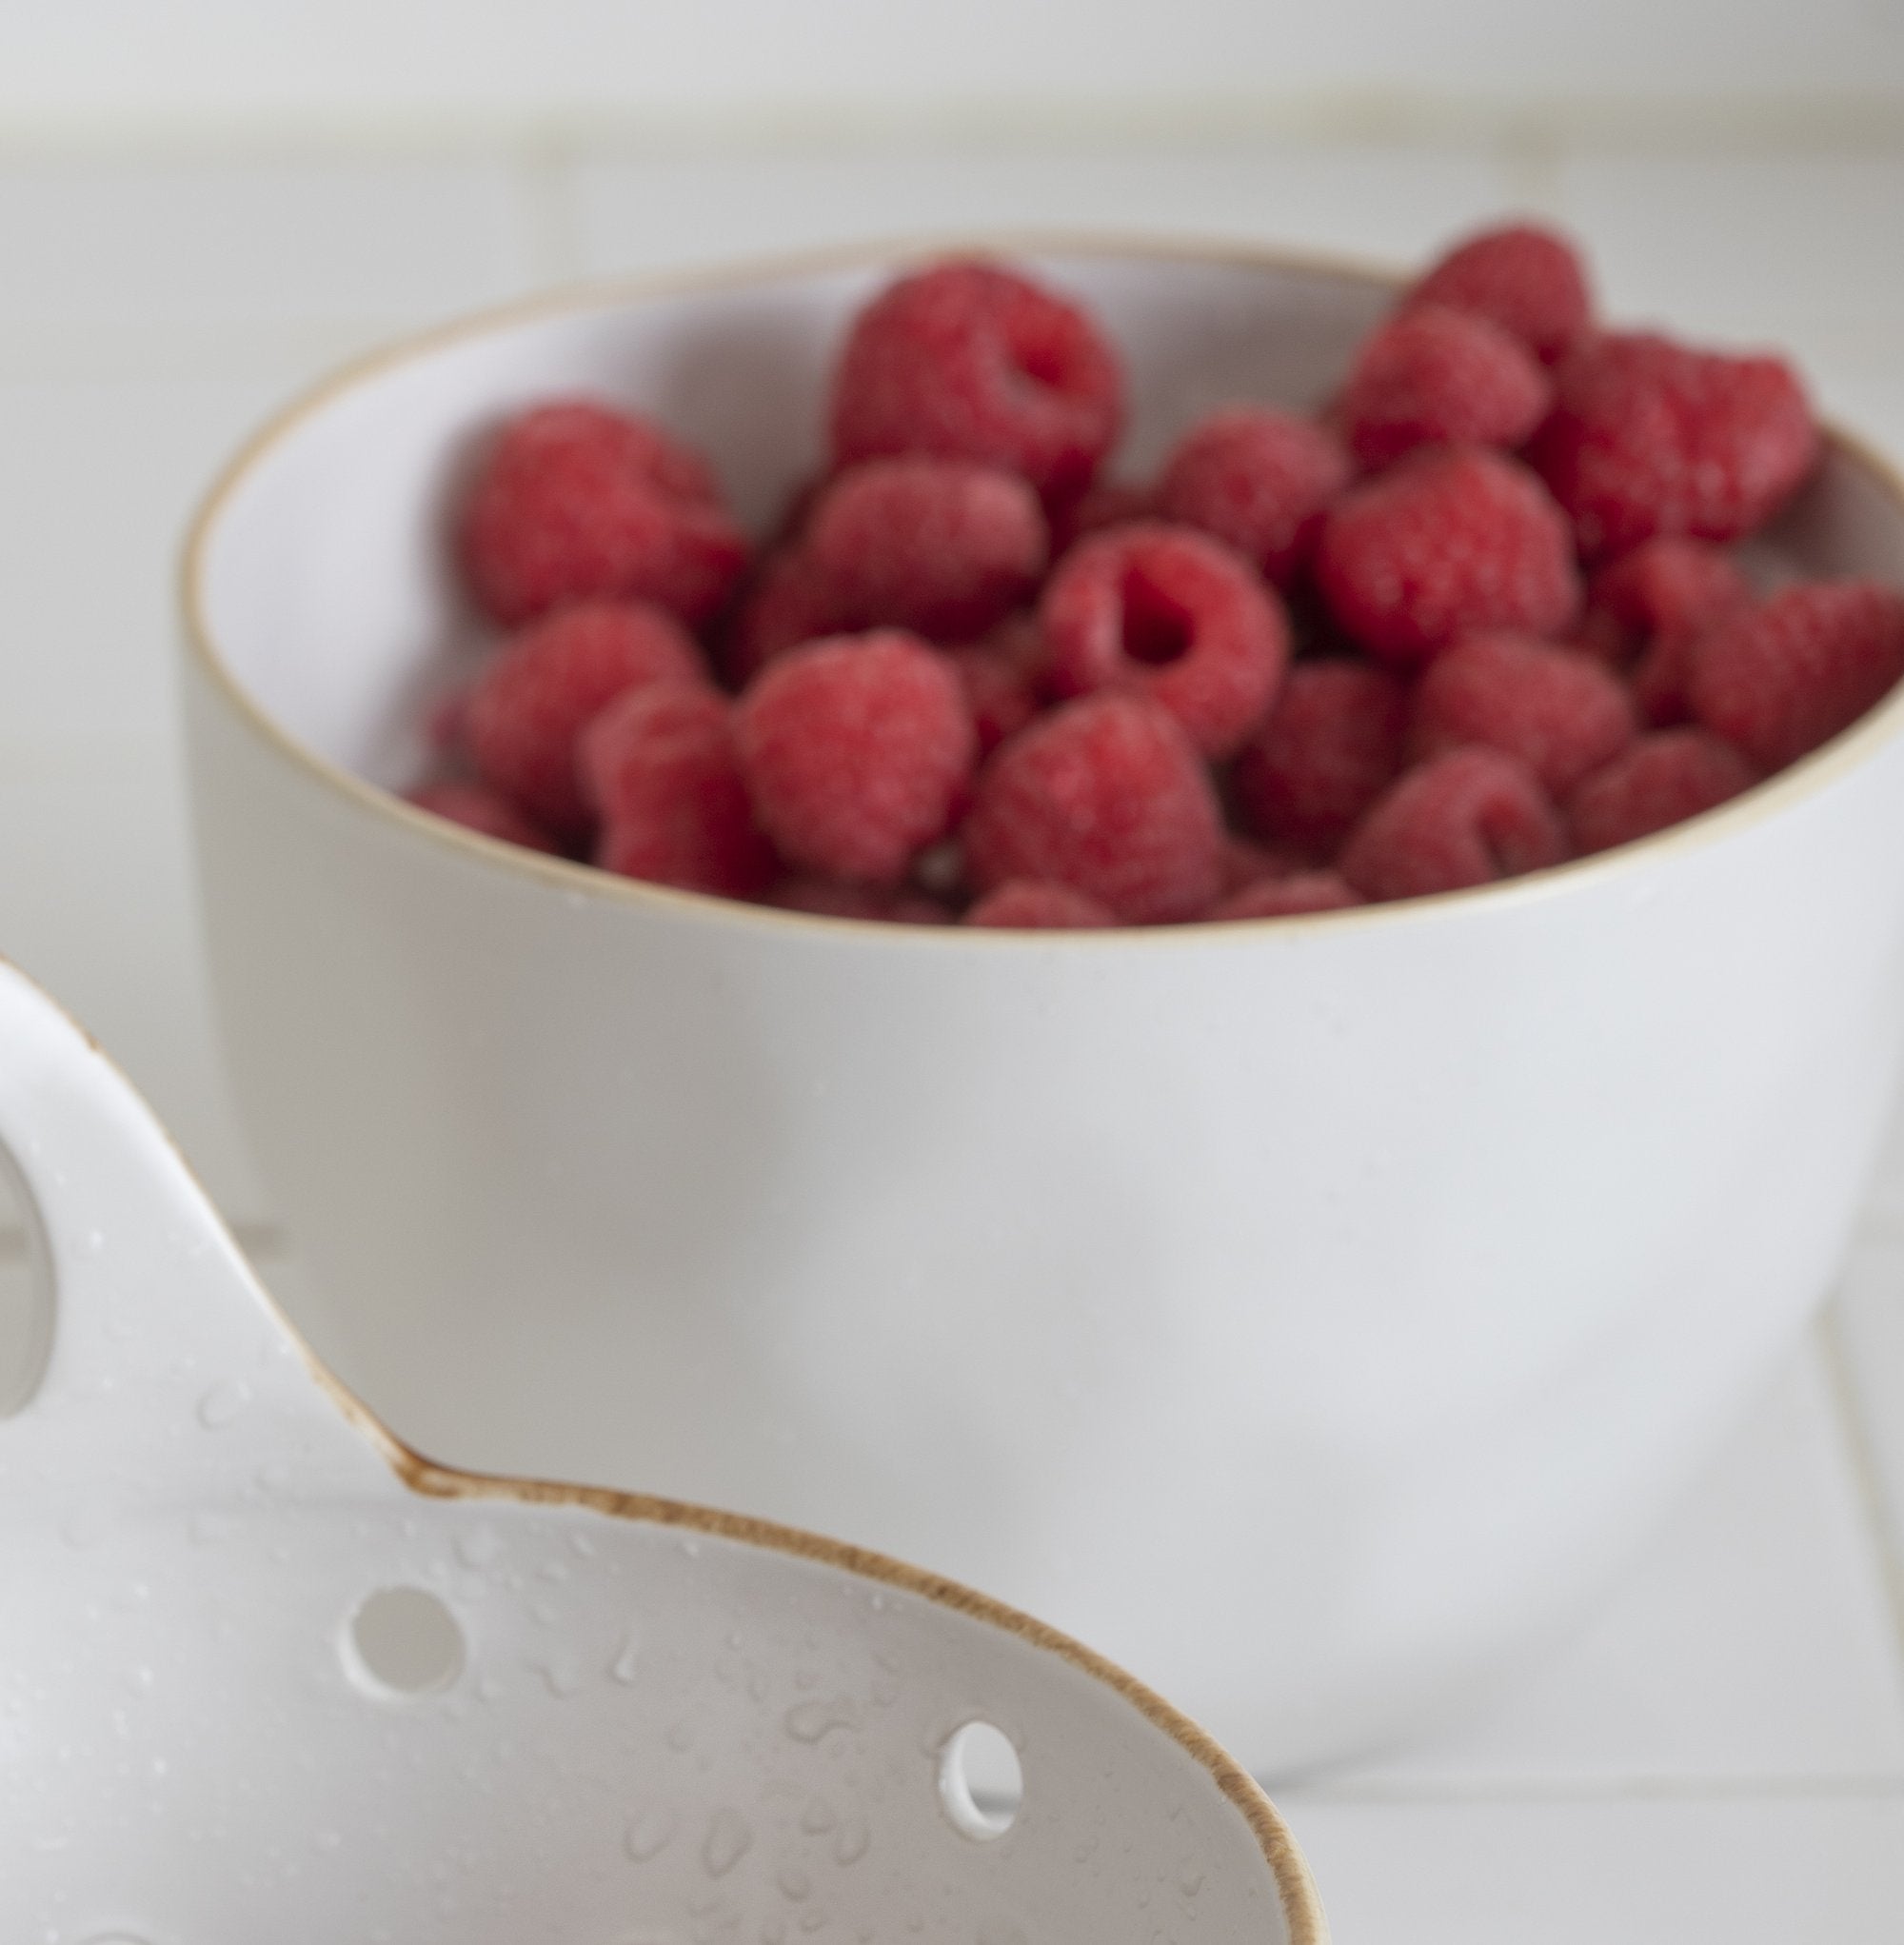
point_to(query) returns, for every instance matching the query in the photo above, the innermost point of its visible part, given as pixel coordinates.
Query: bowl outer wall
(1305, 1314)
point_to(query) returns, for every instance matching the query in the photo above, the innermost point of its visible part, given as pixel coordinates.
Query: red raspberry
(1661, 779)
(1781, 679)
(1467, 818)
(940, 546)
(1030, 905)
(1001, 676)
(1109, 503)
(1259, 479)
(575, 501)
(1244, 861)
(1108, 796)
(1653, 603)
(1431, 376)
(1663, 587)
(1168, 613)
(442, 724)
(1452, 540)
(1650, 437)
(533, 700)
(1331, 747)
(659, 764)
(971, 361)
(827, 897)
(791, 601)
(856, 751)
(479, 808)
(1526, 280)
(1287, 897)
(1561, 713)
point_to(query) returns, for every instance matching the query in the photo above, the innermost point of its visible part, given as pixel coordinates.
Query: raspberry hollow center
(1155, 629)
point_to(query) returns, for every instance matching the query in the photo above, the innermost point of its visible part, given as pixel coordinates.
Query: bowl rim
(1809, 775)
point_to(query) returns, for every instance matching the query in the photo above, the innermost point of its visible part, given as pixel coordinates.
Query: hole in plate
(980, 1782)
(403, 1643)
(26, 1291)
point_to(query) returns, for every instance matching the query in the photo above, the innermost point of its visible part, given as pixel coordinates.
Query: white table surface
(1718, 1752)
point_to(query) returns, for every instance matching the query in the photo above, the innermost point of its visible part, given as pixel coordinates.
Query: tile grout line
(1879, 1516)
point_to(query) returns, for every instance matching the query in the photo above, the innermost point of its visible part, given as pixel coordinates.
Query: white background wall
(74, 63)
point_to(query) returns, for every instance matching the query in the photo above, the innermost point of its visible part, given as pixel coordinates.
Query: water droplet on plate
(794, 1884)
(648, 1833)
(818, 1817)
(729, 1836)
(626, 1666)
(479, 1548)
(852, 1843)
(562, 1674)
(809, 1721)
(221, 1405)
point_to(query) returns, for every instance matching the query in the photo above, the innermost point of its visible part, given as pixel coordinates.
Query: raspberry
(791, 601)
(1431, 376)
(1452, 540)
(659, 764)
(856, 750)
(1661, 779)
(442, 724)
(1287, 897)
(478, 809)
(1002, 675)
(575, 503)
(1331, 747)
(1109, 503)
(827, 897)
(1561, 713)
(1108, 796)
(940, 546)
(1663, 587)
(1781, 679)
(1467, 818)
(1259, 479)
(529, 705)
(1243, 862)
(1168, 613)
(1650, 437)
(1523, 279)
(971, 361)
(1650, 606)
(1031, 905)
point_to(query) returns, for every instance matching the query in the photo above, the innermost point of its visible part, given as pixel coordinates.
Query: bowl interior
(326, 584)
(323, 581)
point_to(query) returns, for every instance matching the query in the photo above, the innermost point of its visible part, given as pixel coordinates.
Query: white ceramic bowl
(1303, 1311)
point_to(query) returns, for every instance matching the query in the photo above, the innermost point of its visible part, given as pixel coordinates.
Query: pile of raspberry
(1476, 615)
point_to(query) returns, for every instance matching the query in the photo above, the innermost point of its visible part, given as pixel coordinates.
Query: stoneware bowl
(1305, 1312)
(265, 1674)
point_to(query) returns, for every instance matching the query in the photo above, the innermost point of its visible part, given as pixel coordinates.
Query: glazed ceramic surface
(266, 1675)
(1305, 1312)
